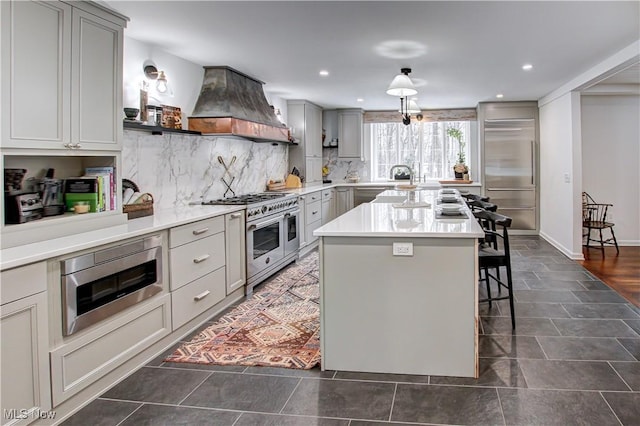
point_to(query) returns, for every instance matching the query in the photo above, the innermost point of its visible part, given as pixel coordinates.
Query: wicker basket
(137, 210)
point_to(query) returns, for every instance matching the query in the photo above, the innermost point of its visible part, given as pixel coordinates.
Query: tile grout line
(393, 400)
(610, 408)
(194, 389)
(290, 395)
(130, 414)
(621, 378)
(504, 420)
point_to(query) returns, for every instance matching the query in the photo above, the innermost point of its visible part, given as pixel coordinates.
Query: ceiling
(461, 53)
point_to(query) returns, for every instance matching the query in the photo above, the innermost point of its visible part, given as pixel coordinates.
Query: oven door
(96, 293)
(291, 232)
(265, 244)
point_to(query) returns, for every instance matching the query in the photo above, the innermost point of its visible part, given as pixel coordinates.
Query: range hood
(233, 104)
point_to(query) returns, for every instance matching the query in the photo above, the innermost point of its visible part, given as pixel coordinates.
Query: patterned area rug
(278, 326)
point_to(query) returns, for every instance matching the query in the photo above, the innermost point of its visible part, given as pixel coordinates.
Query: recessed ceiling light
(324, 73)
(527, 67)
(360, 100)
(499, 95)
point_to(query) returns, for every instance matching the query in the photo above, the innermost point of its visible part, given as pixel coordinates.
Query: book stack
(97, 187)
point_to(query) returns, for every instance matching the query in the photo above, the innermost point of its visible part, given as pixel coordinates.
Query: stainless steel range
(273, 231)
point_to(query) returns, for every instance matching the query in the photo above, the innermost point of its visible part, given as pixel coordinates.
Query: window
(423, 146)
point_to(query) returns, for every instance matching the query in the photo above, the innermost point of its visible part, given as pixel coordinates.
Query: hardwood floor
(621, 273)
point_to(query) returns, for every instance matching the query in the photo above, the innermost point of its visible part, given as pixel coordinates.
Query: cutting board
(293, 181)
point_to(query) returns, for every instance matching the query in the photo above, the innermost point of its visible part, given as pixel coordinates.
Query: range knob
(264, 209)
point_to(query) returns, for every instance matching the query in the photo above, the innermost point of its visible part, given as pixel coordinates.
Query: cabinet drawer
(313, 211)
(193, 260)
(196, 297)
(327, 194)
(23, 281)
(76, 365)
(309, 231)
(314, 196)
(195, 231)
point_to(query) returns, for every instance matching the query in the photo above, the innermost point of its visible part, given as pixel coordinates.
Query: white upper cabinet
(306, 120)
(36, 70)
(96, 81)
(350, 133)
(62, 76)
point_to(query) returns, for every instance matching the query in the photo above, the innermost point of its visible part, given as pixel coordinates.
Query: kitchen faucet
(402, 166)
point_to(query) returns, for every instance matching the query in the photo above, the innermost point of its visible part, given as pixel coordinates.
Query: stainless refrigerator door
(518, 204)
(509, 153)
(510, 166)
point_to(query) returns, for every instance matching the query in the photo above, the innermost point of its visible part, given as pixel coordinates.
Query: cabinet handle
(314, 212)
(200, 231)
(303, 198)
(68, 145)
(77, 146)
(201, 296)
(201, 258)
(236, 215)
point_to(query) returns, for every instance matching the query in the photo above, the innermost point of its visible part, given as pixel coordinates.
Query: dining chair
(594, 217)
(475, 197)
(495, 254)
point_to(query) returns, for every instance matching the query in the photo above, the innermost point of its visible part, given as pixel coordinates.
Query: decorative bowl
(131, 113)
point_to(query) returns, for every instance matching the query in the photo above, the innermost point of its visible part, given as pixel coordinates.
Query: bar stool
(495, 254)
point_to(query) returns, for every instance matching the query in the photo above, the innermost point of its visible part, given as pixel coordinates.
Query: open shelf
(155, 130)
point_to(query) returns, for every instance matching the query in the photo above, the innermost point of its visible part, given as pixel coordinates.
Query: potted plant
(460, 169)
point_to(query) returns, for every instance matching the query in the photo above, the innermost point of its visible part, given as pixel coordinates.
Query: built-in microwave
(100, 284)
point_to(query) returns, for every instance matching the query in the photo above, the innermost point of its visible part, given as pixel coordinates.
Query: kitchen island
(398, 288)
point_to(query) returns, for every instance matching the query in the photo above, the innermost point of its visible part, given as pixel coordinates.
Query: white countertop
(313, 187)
(160, 220)
(384, 220)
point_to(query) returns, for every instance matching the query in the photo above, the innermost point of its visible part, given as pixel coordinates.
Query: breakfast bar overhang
(412, 312)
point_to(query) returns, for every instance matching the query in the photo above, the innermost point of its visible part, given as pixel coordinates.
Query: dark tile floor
(574, 359)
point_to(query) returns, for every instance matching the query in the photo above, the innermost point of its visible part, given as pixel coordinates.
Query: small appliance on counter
(20, 205)
(52, 196)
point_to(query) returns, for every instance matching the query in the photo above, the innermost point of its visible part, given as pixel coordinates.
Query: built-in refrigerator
(510, 169)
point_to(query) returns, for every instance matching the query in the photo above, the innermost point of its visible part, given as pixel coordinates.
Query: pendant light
(402, 86)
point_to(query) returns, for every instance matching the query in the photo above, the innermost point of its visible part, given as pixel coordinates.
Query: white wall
(185, 78)
(560, 156)
(561, 152)
(611, 159)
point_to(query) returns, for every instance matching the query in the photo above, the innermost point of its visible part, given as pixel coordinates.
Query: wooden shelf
(155, 130)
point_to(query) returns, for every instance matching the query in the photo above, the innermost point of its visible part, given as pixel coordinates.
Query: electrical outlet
(567, 178)
(403, 249)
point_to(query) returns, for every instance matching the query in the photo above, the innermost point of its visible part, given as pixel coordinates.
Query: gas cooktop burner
(245, 199)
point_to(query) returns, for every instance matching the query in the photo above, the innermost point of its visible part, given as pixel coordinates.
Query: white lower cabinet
(302, 229)
(24, 370)
(344, 200)
(328, 205)
(196, 259)
(312, 218)
(86, 359)
(235, 250)
(206, 263)
(196, 297)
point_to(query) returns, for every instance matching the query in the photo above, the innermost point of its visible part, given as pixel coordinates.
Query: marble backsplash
(339, 168)
(179, 168)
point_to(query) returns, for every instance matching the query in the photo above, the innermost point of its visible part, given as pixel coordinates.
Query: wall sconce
(152, 73)
(402, 86)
